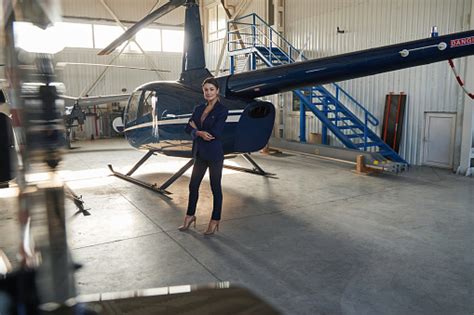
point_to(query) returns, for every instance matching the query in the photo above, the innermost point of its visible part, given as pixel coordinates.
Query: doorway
(439, 139)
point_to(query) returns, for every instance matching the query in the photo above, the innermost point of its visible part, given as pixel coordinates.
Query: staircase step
(324, 104)
(355, 135)
(341, 119)
(351, 127)
(331, 110)
(318, 95)
(277, 53)
(387, 153)
(266, 48)
(368, 144)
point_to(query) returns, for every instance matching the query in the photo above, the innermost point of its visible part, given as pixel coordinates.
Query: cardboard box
(316, 138)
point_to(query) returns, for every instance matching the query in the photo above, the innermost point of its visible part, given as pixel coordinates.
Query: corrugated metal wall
(78, 78)
(125, 9)
(372, 23)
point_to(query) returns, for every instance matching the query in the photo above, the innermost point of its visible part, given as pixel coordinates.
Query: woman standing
(206, 126)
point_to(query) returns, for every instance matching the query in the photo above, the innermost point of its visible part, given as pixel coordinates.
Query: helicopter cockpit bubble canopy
(157, 113)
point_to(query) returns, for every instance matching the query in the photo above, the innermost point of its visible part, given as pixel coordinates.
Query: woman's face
(210, 92)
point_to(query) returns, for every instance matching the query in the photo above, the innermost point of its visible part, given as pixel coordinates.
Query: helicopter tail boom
(349, 66)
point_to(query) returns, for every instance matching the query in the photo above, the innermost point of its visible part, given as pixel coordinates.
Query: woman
(206, 126)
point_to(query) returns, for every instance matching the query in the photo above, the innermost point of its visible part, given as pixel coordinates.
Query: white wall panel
(78, 78)
(124, 9)
(372, 23)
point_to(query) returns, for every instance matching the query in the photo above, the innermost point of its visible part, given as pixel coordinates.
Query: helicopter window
(133, 107)
(173, 40)
(149, 104)
(167, 111)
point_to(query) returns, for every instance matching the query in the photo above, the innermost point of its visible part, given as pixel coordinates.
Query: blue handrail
(368, 117)
(255, 16)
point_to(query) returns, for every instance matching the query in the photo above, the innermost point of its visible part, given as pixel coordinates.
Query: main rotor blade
(83, 102)
(170, 6)
(62, 64)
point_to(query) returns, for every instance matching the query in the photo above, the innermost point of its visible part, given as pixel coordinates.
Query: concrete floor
(317, 240)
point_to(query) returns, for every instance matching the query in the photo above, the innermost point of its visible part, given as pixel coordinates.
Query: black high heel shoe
(212, 227)
(188, 220)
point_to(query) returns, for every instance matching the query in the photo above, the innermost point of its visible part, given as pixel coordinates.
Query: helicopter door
(141, 108)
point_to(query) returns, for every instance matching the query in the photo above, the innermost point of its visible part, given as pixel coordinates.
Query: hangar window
(75, 34)
(54, 38)
(149, 39)
(86, 35)
(173, 40)
(216, 22)
(105, 34)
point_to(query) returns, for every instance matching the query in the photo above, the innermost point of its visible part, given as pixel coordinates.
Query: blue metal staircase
(254, 38)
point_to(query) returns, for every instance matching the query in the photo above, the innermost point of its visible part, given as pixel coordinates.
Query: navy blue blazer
(213, 124)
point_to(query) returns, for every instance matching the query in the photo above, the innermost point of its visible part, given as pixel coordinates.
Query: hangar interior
(318, 237)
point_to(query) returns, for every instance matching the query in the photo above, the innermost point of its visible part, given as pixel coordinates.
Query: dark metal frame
(162, 189)
(257, 170)
(78, 202)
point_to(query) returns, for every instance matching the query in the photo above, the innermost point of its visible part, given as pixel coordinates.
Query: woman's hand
(205, 135)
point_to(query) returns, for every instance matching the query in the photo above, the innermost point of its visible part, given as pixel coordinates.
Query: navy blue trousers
(215, 175)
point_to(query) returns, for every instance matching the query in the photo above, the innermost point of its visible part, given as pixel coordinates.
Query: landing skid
(162, 189)
(257, 170)
(78, 202)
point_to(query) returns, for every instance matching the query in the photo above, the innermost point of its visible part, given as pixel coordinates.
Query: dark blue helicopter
(157, 112)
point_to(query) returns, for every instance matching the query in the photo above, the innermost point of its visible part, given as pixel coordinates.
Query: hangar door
(439, 139)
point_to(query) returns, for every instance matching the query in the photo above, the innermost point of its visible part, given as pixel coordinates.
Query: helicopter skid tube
(138, 182)
(257, 170)
(162, 189)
